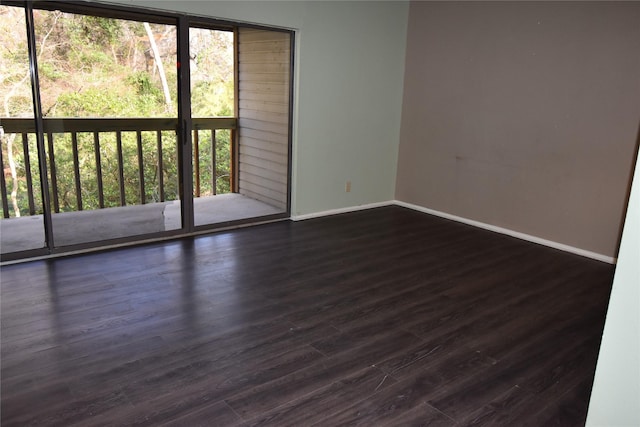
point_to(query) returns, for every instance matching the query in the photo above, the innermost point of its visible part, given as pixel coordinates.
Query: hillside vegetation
(102, 67)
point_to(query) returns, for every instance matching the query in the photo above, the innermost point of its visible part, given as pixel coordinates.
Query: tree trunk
(14, 174)
(10, 139)
(158, 60)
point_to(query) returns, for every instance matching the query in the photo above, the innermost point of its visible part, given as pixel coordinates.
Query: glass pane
(212, 96)
(212, 83)
(21, 223)
(92, 66)
(109, 179)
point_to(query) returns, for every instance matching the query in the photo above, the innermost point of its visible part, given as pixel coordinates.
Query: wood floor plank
(380, 317)
(507, 409)
(422, 416)
(406, 396)
(268, 396)
(217, 413)
(315, 406)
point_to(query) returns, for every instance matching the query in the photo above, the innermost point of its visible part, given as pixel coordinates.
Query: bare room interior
(428, 214)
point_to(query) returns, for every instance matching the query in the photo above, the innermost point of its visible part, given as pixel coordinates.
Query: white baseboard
(511, 233)
(496, 229)
(342, 210)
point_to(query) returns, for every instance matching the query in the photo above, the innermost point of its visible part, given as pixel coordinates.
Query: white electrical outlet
(347, 187)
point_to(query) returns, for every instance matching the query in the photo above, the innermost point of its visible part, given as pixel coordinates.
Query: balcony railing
(108, 162)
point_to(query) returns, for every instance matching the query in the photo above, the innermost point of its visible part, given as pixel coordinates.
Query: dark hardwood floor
(380, 317)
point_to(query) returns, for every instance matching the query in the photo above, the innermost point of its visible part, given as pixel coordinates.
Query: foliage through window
(91, 66)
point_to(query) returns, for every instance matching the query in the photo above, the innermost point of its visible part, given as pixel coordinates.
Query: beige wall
(523, 115)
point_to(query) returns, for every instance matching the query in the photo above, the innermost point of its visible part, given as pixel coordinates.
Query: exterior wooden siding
(263, 112)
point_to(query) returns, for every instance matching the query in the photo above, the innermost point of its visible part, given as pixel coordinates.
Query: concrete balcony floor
(27, 232)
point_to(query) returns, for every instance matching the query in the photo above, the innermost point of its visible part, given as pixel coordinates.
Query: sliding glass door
(240, 171)
(22, 221)
(212, 89)
(122, 124)
(108, 91)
